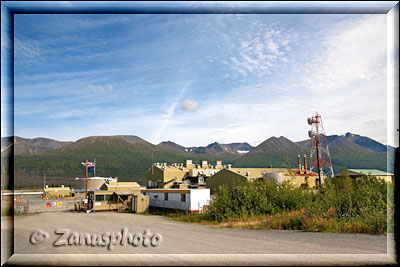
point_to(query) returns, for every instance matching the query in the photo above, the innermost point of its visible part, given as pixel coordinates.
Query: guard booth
(140, 203)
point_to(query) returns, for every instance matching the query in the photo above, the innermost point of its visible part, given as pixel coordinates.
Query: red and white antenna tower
(320, 159)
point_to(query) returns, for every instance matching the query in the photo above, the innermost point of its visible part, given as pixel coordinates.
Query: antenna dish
(310, 134)
(309, 120)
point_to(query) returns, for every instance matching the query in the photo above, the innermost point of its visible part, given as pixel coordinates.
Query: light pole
(44, 184)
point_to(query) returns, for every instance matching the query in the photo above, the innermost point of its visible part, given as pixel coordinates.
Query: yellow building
(118, 196)
(162, 175)
(232, 176)
(359, 173)
(57, 192)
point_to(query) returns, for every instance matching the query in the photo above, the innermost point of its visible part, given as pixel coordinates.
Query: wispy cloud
(26, 49)
(350, 52)
(167, 117)
(260, 49)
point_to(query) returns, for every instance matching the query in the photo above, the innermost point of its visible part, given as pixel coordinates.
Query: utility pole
(3, 181)
(86, 200)
(86, 166)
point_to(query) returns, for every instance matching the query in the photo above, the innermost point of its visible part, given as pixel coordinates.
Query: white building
(192, 200)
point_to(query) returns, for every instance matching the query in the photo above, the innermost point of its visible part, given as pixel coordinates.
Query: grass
(294, 220)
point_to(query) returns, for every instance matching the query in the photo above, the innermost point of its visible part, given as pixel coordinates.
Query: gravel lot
(179, 238)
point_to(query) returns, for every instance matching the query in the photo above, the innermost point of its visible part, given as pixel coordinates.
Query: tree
(288, 165)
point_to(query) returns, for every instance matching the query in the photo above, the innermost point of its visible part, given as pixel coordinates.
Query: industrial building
(359, 173)
(203, 175)
(191, 200)
(231, 176)
(179, 175)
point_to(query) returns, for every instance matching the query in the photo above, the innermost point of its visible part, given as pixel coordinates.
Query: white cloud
(98, 89)
(352, 51)
(190, 105)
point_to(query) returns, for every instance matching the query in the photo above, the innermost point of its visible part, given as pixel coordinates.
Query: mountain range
(129, 157)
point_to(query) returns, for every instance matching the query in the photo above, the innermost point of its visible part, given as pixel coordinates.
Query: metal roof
(371, 172)
(122, 184)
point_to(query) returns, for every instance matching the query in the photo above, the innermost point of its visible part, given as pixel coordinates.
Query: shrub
(342, 204)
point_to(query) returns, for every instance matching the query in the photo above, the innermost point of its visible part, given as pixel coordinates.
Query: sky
(195, 79)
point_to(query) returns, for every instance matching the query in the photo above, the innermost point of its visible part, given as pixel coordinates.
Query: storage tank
(278, 177)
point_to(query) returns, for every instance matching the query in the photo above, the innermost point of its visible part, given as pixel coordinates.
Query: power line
(325, 105)
(302, 108)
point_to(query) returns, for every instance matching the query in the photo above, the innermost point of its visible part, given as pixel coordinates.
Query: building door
(134, 204)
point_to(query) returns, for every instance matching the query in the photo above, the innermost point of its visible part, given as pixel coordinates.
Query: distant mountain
(94, 144)
(367, 143)
(213, 149)
(125, 157)
(273, 151)
(275, 144)
(240, 147)
(129, 157)
(362, 141)
(355, 151)
(31, 146)
(173, 146)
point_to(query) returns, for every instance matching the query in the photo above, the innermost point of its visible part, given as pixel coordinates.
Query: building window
(155, 195)
(99, 197)
(109, 197)
(183, 198)
(166, 196)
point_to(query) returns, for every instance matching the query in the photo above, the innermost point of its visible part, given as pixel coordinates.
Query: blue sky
(196, 78)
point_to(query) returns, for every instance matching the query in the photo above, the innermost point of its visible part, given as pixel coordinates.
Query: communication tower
(320, 159)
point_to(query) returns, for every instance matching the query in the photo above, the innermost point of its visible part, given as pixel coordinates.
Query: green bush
(342, 204)
(258, 197)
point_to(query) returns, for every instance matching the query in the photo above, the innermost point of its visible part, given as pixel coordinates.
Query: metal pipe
(299, 161)
(305, 163)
